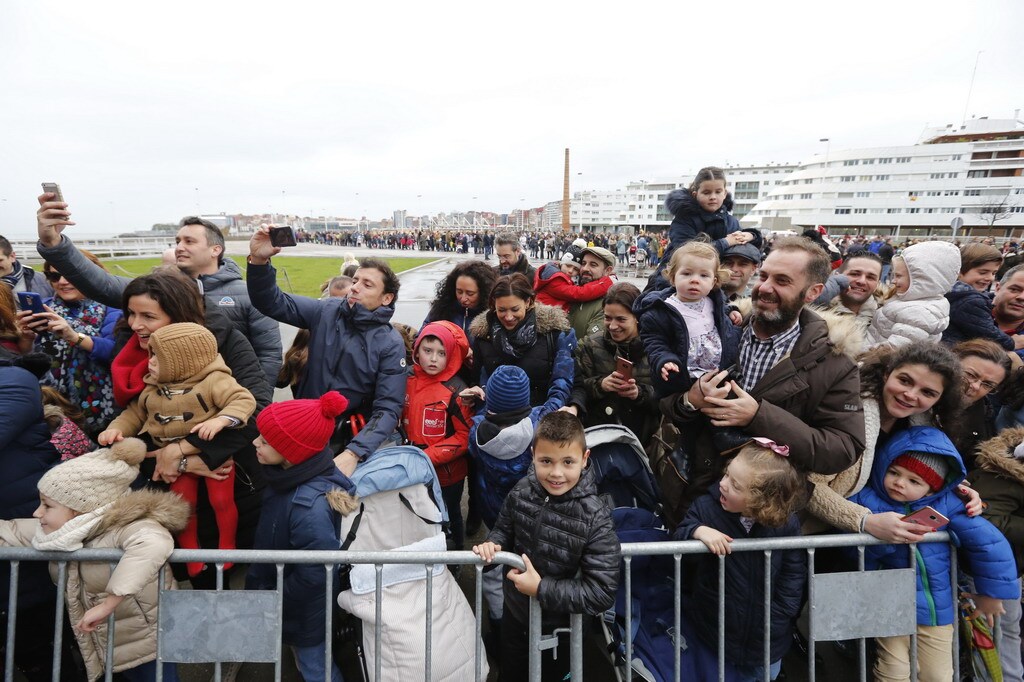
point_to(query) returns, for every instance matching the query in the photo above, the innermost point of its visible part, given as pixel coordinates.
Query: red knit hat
(932, 469)
(299, 429)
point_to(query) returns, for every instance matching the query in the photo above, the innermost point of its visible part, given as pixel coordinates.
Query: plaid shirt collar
(757, 356)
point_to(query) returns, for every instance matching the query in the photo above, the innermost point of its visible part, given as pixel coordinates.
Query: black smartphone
(733, 373)
(30, 300)
(282, 236)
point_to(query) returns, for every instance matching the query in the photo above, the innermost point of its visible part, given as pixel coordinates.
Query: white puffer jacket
(922, 312)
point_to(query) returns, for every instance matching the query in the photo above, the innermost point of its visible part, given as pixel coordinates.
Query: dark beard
(779, 321)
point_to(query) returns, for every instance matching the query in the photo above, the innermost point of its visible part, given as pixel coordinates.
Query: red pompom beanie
(299, 429)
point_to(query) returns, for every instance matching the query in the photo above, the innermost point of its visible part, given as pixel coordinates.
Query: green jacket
(595, 359)
(587, 318)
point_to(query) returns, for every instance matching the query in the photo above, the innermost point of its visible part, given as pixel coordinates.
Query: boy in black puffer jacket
(564, 532)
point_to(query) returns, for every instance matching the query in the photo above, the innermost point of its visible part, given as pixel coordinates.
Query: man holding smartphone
(199, 253)
(353, 349)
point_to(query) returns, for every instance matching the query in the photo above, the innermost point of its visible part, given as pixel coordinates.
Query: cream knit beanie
(182, 349)
(86, 483)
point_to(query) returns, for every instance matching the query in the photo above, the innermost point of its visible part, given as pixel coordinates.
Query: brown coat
(141, 524)
(999, 479)
(212, 392)
(810, 400)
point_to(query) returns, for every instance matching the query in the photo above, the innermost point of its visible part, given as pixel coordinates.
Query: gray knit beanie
(86, 483)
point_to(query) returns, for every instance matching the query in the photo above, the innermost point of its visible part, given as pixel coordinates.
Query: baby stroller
(625, 482)
(401, 509)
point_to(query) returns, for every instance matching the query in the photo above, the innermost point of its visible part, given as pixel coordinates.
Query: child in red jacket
(435, 420)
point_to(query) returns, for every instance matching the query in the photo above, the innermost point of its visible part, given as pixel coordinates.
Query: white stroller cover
(385, 522)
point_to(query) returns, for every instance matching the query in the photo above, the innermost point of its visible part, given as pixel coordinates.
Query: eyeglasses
(971, 378)
(52, 275)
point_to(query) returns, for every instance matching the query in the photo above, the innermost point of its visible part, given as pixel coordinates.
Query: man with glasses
(198, 252)
(18, 276)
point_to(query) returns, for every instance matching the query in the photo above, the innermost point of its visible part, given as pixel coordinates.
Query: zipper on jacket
(923, 572)
(536, 524)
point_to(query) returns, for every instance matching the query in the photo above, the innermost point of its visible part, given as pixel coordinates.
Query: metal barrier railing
(537, 643)
(808, 544)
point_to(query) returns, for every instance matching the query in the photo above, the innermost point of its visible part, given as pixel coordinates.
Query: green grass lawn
(295, 274)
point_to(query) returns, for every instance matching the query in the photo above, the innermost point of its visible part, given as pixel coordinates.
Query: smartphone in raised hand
(282, 236)
(53, 188)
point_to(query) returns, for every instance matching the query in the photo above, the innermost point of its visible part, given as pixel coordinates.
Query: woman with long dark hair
(463, 294)
(153, 301)
(516, 330)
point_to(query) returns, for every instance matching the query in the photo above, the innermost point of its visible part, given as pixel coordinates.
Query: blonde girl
(688, 330)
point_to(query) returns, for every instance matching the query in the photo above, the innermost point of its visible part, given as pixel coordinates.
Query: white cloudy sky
(145, 112)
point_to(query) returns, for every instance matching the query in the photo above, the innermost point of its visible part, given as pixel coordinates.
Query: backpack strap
(456, 386)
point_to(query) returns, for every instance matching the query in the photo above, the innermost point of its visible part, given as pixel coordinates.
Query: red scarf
(127, 371)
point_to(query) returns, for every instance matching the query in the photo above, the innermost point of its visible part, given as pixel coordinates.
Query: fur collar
(845, 333)
(342, 502)
(996, 455)
(549, 319)
(167, 509)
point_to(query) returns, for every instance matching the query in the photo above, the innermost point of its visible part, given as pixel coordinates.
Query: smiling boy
(554, 519)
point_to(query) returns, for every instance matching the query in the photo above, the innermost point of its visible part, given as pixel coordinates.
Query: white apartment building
(641, 204)
(972, 172)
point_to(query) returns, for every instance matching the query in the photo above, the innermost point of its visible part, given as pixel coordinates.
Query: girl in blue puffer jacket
(920, 467)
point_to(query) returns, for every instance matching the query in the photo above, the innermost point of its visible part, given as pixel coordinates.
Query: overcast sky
(145, 112)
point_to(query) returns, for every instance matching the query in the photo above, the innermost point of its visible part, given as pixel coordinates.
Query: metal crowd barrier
(841, 606)
(882, 604)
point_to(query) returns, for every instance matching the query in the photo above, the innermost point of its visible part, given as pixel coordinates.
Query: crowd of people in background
(783, 385)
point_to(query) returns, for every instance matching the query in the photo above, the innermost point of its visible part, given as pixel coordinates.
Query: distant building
(974, 172)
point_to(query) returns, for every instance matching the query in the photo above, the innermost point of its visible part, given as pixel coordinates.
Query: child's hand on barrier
(528, 581)
(666, 368)
(99, 613)
(209, 428)
(110, 436)
(990, 607)
(717, 541)
(486, 551)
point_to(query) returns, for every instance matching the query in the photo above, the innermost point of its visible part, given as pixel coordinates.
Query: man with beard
(741, 261)
(588, 317)
(795, 386)
(511, 257)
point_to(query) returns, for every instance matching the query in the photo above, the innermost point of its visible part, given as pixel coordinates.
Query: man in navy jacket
(352, 347)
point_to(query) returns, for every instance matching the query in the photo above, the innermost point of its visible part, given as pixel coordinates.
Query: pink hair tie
(780, 450)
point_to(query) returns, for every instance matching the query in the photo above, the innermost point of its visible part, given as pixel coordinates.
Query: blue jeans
(310, 661)
(147, 673)
(886, 269)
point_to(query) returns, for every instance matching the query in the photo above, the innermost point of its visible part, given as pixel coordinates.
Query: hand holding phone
(282, 236)
(927, 517)
(53, 188)
(30, 300)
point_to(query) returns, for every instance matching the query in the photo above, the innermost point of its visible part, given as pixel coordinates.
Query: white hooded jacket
(922, 312)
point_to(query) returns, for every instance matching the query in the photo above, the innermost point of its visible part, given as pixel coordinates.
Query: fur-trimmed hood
(996, 455)
(845, 333)
(342, 502)
(549, 319)
(167, 509)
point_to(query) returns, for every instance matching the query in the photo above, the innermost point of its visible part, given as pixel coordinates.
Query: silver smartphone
(53, 188)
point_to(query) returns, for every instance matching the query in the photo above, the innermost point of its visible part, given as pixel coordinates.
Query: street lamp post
(580, 175)
(824, 169)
